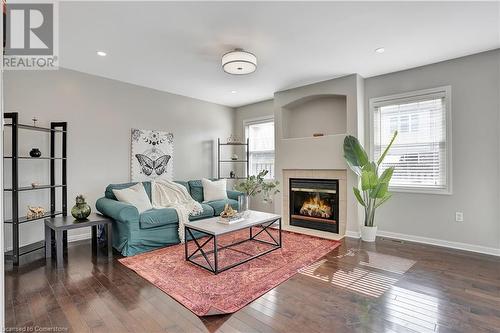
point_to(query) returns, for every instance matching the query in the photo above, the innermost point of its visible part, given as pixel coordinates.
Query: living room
(251, 166)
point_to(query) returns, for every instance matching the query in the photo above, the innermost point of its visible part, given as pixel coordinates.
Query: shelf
(17, 132)
(231, 161)
(36, 128)
(234, 144)
(31, 188)
(37, 158)
(27, 249)
(233, 178)
(24, 219)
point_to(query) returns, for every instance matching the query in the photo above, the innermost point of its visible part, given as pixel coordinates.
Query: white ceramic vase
(368, 234)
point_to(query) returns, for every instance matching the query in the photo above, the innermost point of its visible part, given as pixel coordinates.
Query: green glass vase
(80, 210)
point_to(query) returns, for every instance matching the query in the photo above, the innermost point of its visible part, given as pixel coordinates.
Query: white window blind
(420, 153)
(261, 149)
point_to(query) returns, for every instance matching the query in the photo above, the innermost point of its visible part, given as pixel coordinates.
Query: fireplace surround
(314, 204)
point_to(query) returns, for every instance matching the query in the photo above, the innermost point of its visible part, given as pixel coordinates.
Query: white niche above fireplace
(312, 115)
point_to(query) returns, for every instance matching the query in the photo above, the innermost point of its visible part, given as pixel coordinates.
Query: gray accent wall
(475, 91)
(475, 104)
(100, 113)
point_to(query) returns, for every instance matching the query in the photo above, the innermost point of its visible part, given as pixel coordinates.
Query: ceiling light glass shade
(239, 62)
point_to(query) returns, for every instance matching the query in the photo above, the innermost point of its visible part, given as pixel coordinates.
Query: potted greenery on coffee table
(254, 185)
(374, 187)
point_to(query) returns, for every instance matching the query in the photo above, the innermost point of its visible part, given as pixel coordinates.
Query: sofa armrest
(119, 211)
(234, 194)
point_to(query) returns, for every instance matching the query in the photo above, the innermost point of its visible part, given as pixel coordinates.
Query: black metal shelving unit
(16, 220)
(220, 161)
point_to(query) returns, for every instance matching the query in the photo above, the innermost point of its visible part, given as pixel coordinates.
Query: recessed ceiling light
(233, 91)
(380, 50)
(101, 53)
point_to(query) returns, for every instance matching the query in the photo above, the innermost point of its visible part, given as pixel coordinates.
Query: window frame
(260, 120)
(414, 96)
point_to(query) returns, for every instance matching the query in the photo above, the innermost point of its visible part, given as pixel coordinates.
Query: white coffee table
(213, 229)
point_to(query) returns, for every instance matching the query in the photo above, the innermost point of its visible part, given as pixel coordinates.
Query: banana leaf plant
(374, 187)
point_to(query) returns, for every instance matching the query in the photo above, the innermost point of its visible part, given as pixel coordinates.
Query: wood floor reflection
(388, 286)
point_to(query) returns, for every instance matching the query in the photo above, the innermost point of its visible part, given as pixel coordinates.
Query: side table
(62, 223)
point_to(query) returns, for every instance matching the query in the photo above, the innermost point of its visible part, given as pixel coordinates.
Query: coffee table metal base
(276, 244)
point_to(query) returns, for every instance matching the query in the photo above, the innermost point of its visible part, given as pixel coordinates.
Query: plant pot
(368, 234)
(243, 203)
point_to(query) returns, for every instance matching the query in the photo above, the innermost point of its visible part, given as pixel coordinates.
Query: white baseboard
(439, 242)
(78, 237)
(431, 241)
(352, 234)
(71, 238)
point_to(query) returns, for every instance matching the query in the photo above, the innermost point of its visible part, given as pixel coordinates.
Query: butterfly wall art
(151, 155)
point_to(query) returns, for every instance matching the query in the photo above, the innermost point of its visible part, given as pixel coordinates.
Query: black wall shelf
(34, 128)
(36, 158)
(16, 220)
(220, 162)
(31, 188)
(24, 219)
(26, 249)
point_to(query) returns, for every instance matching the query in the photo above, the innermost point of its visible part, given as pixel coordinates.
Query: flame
(316, 207)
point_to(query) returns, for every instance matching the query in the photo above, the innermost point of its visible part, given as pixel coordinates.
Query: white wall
(474, 81)
(100, 113)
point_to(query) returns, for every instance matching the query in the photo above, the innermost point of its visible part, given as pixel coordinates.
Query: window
(260, 134)
(421, 154)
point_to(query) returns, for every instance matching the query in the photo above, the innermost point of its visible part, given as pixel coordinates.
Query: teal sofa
(135, 233)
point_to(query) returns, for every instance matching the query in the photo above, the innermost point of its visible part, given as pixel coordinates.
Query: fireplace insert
(314, 204)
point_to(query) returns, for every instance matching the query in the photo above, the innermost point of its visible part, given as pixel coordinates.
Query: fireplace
(314, 204)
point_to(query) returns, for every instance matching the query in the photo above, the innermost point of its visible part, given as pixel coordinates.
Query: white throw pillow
(136, 196)
(214, 190)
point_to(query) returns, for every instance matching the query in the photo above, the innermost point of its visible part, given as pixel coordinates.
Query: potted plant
(374, 187)
(254, 185)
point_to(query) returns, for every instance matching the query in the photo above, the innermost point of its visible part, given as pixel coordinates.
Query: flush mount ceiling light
(101, 53)
(380, 50)
(239, 62)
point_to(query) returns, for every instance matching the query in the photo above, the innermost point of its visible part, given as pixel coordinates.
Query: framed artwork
(151, 155)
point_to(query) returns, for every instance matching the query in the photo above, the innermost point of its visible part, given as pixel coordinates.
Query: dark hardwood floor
(388, 286)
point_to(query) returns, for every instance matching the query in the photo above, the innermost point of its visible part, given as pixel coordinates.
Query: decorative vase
(368, 234)
(243, 203)
(35, 152)
(80, 210)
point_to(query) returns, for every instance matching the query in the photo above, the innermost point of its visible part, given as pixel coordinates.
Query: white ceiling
(176, 47)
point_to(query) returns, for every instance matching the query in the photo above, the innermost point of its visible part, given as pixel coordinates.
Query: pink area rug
(207, 294)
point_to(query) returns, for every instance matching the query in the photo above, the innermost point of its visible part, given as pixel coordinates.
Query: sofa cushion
(158, 217)
(136, 196)
(183, 183)
(214, 190)
(109, 189)
(218, 205)
(147, 186)
(196, 190)
(208, 211)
